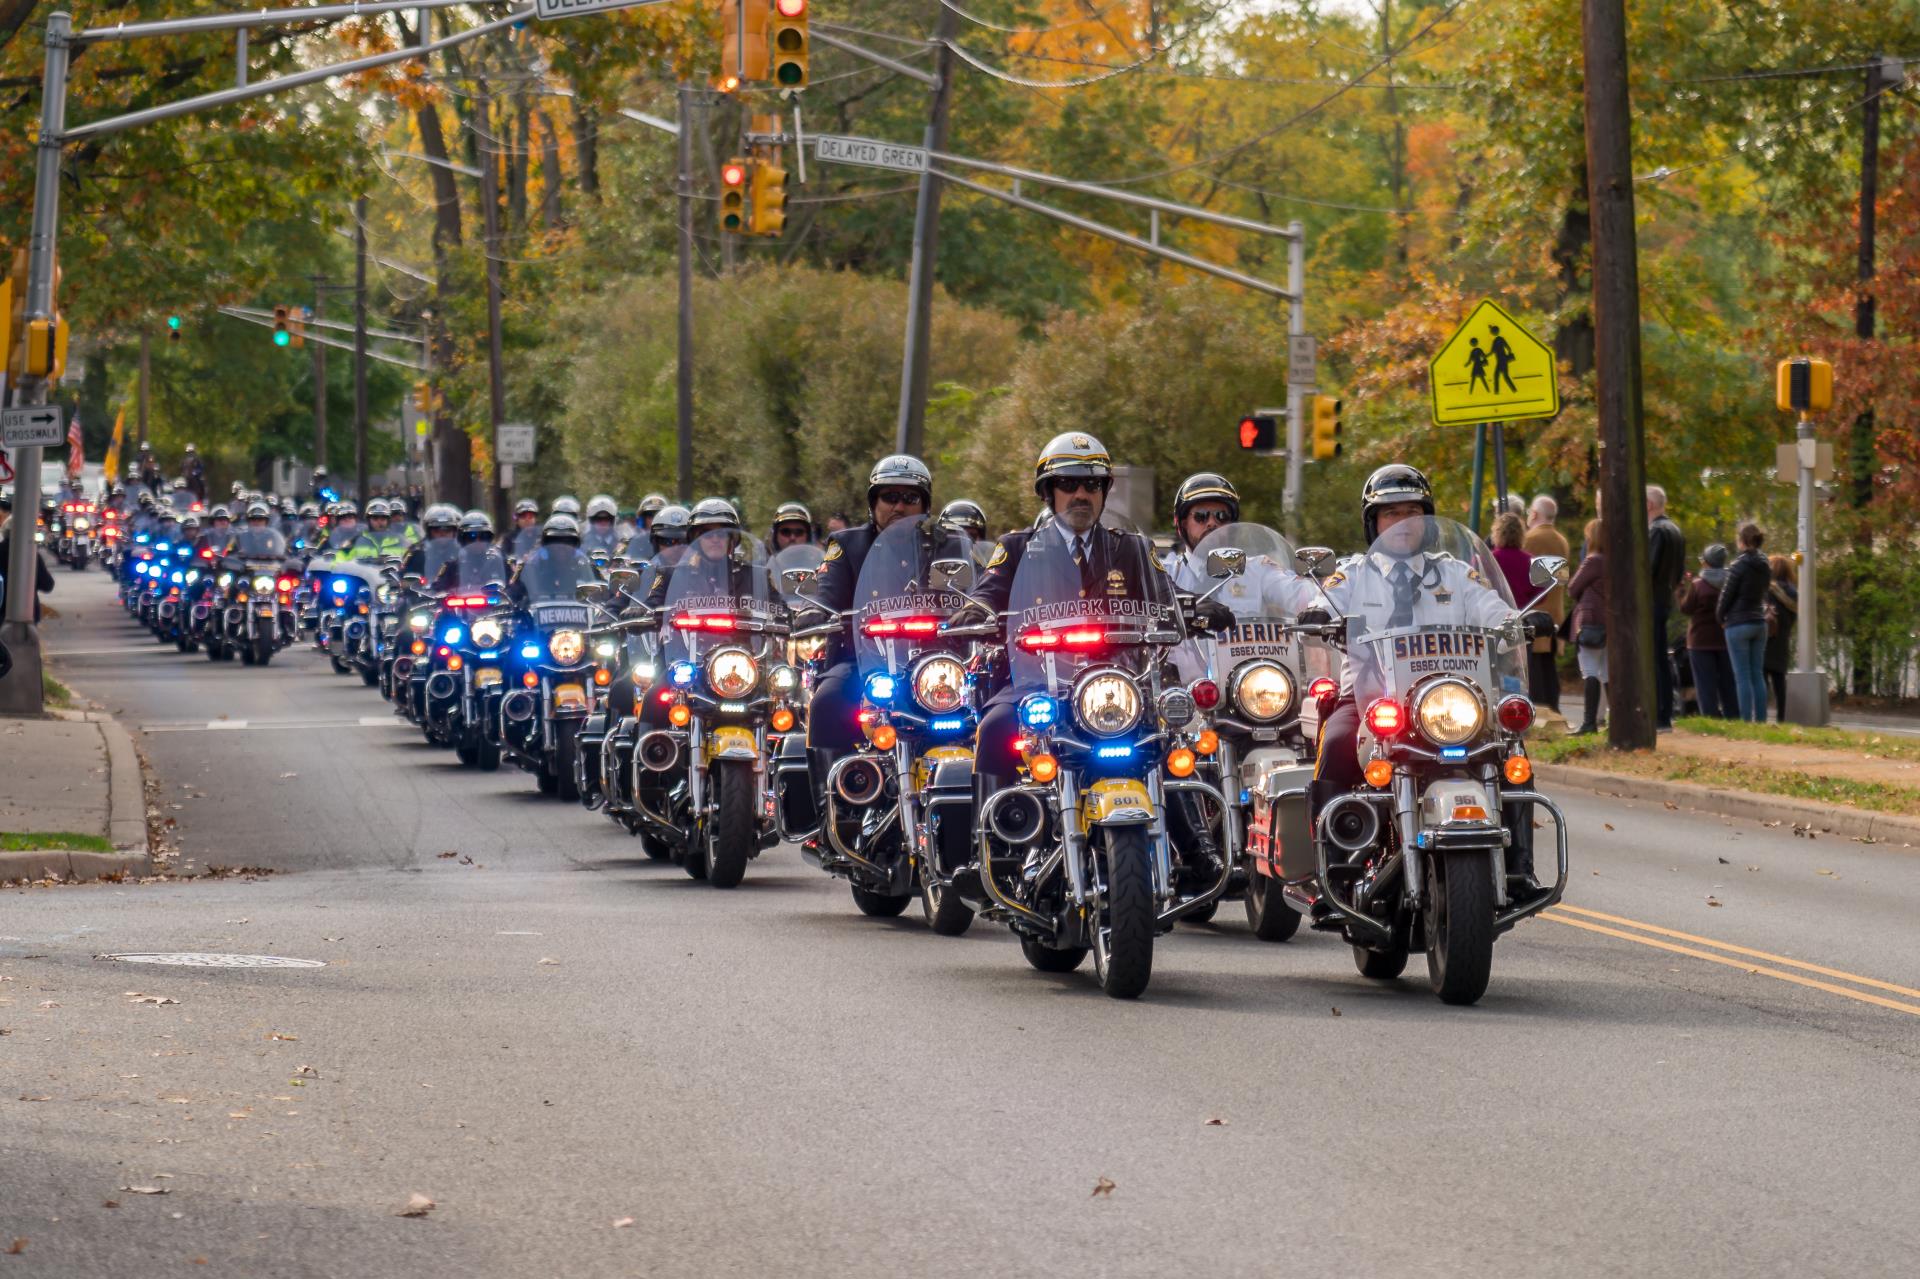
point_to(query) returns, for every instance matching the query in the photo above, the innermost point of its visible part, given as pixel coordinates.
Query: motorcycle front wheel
(946, 914)
(730, 832)
(262, 650)
(566, 745)
(1123, 942)
(1460, 926)
(1051, 959)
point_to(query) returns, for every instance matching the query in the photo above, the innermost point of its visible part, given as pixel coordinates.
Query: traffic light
(769, 199)
(733, 194)
(297, 322)
(1259, 433)
(33, 348)
(1326, 428)
(173, 328)
(790, 42)
(281, 337)
(743, 49)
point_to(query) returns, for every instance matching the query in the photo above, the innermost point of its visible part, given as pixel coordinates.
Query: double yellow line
(1650, 935)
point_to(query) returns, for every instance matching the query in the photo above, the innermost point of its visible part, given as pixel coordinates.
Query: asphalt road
(547, 1036)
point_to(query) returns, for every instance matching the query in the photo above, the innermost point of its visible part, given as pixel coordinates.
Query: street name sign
(547, 10)
(36, 425)
(1301, 361)
(1493, 370)
(516, 444)
(872, 154)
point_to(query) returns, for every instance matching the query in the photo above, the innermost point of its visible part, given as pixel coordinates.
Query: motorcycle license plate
(570, 697)
(486, 676)
(266, 612)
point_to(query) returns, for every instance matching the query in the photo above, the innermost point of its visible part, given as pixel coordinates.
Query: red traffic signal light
(733, 175)
(1259, 432)
(790, 8)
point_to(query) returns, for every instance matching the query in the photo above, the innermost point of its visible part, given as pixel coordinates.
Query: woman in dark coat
(1784, 596)
(1699, 598)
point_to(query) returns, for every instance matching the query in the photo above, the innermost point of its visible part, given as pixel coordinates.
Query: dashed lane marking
(251, 725)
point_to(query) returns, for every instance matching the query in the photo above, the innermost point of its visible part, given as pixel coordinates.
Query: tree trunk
(550, 174)
(586, 146)
(452, 454)
(519, 161)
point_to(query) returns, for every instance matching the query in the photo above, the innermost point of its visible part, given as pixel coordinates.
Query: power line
(1033, 31)
(965, 55)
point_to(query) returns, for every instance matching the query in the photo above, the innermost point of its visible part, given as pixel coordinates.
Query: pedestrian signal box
(1804, 384)
(1326, 428)
(1259, 433)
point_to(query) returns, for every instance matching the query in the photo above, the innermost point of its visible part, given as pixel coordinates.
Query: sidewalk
(72, 801)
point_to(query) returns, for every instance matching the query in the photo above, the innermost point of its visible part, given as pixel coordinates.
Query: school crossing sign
(1492, 370)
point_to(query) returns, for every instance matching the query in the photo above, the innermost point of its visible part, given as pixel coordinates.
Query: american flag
(76, 449)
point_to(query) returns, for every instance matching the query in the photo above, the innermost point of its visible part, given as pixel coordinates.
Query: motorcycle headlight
(1448, 713)
(81, 523)
(193, 575)
(783, 679)
(419, 621)
(1262, 691)
(940, 685)
(486, 632)
(605, 648)
(385, 592)
(225, 579)
(1107, 704)
(263, 583)
(567, 646)
(732, 672)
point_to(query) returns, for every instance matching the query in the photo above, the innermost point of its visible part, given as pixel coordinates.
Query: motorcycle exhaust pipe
(657, 752)
(519, 706)
(1354, 828)
(440, 685)
(1018, 818)
(858, 780)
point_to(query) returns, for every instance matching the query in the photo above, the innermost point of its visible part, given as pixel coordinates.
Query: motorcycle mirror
(624, 579)
(1309, 559)
(799, 577)
(1226, 561)
(1548, 570)
(946, 572)
(414, 579)
(590, 592)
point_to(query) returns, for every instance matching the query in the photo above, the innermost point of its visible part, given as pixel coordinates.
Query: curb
(126, 818)
(1850, 823)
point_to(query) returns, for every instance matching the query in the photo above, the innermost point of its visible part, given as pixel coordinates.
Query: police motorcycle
(701, 778)
(344, 594)
(78, 534)
(898, 813)
(467, 662)
(549, 668)
(1432, 851)
(250, 609)
(1102, 748)
(1257, 687)
(406, 662)
(796, 809)
(172, 575)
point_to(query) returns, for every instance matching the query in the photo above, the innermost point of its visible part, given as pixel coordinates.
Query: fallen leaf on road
(548, 959)
(154, 999)
(49, 1003)
(146, 1190)
(1769, 823)
(109, 1203)
(621, 1223)
(1723, 861)
(1713, 901)
(18, 1246)
(1336, 1010)
(176, 1099)
(26, 1098)
(307, 1071)
(1753, 868)
(449, 853)
(1608, 825)
(285, 1039)
(1102, 1187)
(418, 1205)
(1672, 806)
(285, 776)
(1215, 1123)
(1823, 871)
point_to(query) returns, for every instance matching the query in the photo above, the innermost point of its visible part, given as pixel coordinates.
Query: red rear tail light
(1386, 718)
(1206, 694)
(1323, 688)
(285, 584)
(1516, 714)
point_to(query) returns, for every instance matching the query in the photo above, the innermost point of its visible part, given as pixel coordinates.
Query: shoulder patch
(833, 552)
(1336, 577)
(998, 557)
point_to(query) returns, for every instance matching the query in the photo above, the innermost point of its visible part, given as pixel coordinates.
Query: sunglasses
(1073, 485)
(788, 530)
(1210, 517)
(900, 497)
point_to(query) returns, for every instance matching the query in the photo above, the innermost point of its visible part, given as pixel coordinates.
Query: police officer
(1401, 582)
(599, 535)
(565, 504)
(442, 521)
(659, 549)
(792, 526)
(526, 529)
(479, 562)
(380, 540)
(898, 487)
(345, 528)
(966, 517)
(194, 471)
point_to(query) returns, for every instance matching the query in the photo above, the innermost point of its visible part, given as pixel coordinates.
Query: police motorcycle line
(75, 533)
(247, 609)
(1432, 850)
(461, 659)
(548, 668)
(700, 778)
(406, 664)
(896, 818)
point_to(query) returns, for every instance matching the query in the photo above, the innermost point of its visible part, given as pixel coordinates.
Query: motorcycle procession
(1066, 732)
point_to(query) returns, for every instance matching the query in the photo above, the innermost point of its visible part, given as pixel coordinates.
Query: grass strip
(1591, 751)
(54, 693)
(64, 841)
(1864, 742)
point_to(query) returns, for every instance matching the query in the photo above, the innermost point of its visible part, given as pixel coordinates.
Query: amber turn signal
(419, 648)
(530, 679)
(603, 677)
(1180, 762)
(454, 663)
(782, 720)
(1044, 768)
(680, 716)
(883, 737)
(1379, 773)
(1519, 769)
(1208, 743)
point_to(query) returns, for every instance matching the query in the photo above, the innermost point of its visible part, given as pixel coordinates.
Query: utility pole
(496, 376)
(1616, 314)
(1882, 74)
(319, 380)
(146, 376)
(359, 350)
(1296, 395)
(684, 357)
(910, 433)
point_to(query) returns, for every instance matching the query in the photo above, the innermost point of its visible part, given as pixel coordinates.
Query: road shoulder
(101, 793)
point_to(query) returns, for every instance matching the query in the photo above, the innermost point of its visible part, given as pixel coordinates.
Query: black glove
(1212, 616)
(1539, 624)
(1315, 616)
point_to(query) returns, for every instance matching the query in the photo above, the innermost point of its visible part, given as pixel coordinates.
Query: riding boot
(1591, 723)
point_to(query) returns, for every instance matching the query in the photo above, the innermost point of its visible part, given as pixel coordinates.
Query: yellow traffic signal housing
(297, 323)
(1803, 384)
(733, 194)
(7, 328)
(1326, 428)
(280, 335)
(46, 348)
(791, 43)
(769, 199)
(743, 49)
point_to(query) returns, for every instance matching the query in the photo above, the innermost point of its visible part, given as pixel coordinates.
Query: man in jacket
(1742, 612)
(1542, 538)
(1667, 561)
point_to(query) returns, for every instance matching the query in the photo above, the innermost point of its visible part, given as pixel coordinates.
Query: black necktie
(1079, 553)
(1406, 592)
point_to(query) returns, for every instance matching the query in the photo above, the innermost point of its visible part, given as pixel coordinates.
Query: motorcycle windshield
(259, 544)
(435, 554)
(480, 564)
(1264, 597)
(899, 604)
(1114, 608)
(719, 585)
(605, 540)
(807, 556)
(552, 572)
(340, 536)
(1426, 604)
